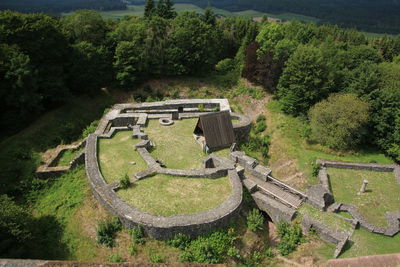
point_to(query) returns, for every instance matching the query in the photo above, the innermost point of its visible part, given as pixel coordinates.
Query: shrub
(116, 258)
(155, 257)
(315, 169)
(180, 240)
(139, 97)
(269, 253)
(210, 248)
(225, 65)
(90, 129)
(125, 183)
(137, 235)
(147, 89)
(175, 93)
(200, 107)
(261, 117)
(255, 220)
(259, 127)
(233, 253)
(291, 236)
(340, 121)
(133, 249)
(106, 232)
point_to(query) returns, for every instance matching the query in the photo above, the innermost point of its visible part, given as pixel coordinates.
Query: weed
(116, 258)
(180, 241)
(125, 183)
(255, 220)
(106, 232)
(137, 235)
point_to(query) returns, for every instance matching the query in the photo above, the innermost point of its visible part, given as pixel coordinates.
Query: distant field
(138, 10)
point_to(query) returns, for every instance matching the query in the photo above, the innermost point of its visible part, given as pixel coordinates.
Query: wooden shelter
(217, 129)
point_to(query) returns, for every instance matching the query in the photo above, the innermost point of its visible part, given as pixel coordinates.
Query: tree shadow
(47, 242)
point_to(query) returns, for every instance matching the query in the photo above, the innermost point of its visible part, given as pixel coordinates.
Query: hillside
(368, 15)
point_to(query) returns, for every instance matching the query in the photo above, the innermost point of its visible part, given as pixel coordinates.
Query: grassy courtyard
(175, 145)
(169, 195)
(382, 192)
(115, 155)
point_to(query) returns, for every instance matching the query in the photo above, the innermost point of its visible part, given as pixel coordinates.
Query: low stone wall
(393, 219)
(326, 233)
(160, 227)
(49, 168)
(362, 166)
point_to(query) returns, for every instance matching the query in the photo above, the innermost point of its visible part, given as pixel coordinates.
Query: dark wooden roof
(217, 129)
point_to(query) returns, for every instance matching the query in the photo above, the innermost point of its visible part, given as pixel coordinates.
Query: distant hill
(58, 6)
(369, 15)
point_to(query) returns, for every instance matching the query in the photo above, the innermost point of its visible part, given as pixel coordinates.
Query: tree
(165, 9)
(149, 9)
(209, 16)
(386, 110)
(340, 121)
(84, 26)
(303, 81)
(15, 228)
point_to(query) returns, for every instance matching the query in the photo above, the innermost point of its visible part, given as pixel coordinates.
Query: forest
(56, 7)
(366, 15)
(345, 86)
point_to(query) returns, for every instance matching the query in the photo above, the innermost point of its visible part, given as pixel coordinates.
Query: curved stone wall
(161, 227)
(241, 128)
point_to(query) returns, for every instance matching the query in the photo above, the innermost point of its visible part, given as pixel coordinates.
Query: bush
(210, 248)
(291, 236)
(147, 89)
(260, 118)
(155, 257)
(269, 253)
(116, 258)
(90, 129)
(225, 65)
(106, 232)
(137, 235)
(340, 121)
(125, 183)
(133, 249)
(180, 240)
(255, 220)
(233, 253)
(139, 97)
(200, 107)
(315, 169)
(259, 127)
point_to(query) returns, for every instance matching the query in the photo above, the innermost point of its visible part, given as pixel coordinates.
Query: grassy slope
(382, 192)
(168, 195)
(287, 132)
(115, 155)
(175, 145)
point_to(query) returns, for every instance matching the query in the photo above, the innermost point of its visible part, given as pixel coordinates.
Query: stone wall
(160, 227)
(326, 233)
(241, 128)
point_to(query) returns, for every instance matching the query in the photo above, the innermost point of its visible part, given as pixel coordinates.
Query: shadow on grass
(47, 242)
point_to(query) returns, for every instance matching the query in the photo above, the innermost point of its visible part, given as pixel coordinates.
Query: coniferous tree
(149, 9)
(165, 9)
(209, 17)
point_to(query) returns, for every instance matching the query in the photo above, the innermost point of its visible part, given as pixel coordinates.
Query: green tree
(84, 26)
(303, 81)
(386, 110)
(165, 9)
(15, 228)
(149, 9)
(340, 121)
(209, 16)
(90, 68)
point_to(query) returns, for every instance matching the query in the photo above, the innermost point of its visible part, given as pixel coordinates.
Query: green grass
(168, 195)
(366, 243)
(289, 131)
(115, 155)
(329, 219)
(175, 144)
(382, 192)
(67, 156)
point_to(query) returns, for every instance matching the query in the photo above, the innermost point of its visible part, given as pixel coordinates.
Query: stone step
(277, 193)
